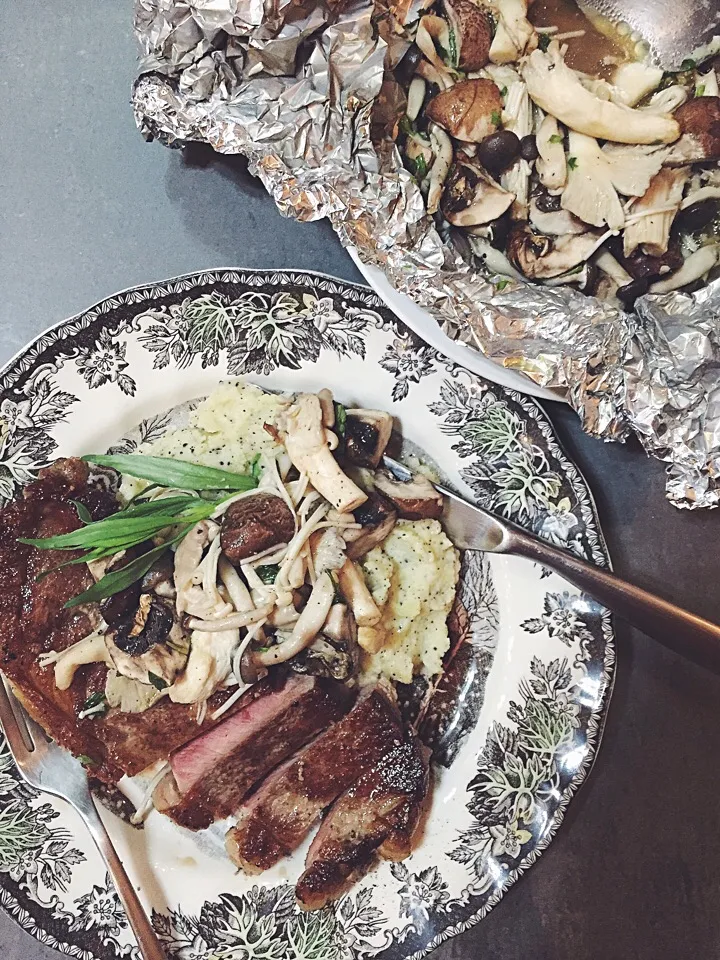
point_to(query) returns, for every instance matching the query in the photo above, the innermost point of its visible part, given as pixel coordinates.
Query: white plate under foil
(426, 326)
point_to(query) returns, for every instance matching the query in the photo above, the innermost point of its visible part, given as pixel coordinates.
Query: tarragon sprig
(168, 518)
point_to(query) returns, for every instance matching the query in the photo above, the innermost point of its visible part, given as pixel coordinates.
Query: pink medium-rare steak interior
(197, 759)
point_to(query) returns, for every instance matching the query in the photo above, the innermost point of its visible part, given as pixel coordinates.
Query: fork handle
(142, 928)
(677, 629)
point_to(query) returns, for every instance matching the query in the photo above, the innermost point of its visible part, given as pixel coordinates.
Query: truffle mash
(412, 577)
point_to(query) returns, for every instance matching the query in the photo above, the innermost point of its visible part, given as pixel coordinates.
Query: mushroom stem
(694, 268)
(442, 148)
(416, 96)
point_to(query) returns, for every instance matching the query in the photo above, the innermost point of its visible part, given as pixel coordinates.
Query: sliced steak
(214, 772)
(33, 621)
(278, 816)
(378, 814)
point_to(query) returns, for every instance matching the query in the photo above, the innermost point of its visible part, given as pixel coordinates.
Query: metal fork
(49, 768)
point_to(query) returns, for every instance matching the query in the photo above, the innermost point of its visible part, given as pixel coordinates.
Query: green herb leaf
(86, 761)
(157, 681)
(340, 419)
(556, 138)
(501, 284)
(572, 163)
(174, 473)
(118, 580)
(256, 468)
(496, 118)
(268, 573)
(421, 168)
(543, 41)
(94, 700)
(406, 126)
(453, 51)
(82, 511)
(504, 92)
(338, 595)
(700, 92)
(687, 64)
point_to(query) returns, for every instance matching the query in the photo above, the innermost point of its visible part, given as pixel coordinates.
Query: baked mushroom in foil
(560, 166)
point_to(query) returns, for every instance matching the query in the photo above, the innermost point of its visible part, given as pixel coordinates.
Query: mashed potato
(225, 430)
(412, 577)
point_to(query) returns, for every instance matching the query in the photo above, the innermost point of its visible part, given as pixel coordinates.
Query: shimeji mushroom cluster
(538, 171)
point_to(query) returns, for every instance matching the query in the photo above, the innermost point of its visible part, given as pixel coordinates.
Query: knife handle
(675, 628)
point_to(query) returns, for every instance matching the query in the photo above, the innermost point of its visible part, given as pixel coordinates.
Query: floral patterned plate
(516, 720)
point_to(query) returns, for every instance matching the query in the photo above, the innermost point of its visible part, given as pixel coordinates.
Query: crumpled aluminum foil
(299, 88)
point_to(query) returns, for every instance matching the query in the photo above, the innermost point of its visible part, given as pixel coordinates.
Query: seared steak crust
(379, 814)
(278, 816)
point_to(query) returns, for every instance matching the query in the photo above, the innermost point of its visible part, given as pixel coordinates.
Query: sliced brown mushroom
(473, 33)
(377, 516)
(367, 434)
(254, 524)
(149, 643)
(415, 500)
(472, 197)
(469, 111)
(540, 258)
(699, 121)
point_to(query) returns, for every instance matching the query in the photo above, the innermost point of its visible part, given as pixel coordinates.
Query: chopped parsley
(85, 760)
(421, 167)
(268, 572)
(96, 705)
(556, 138)
(503, 92)
(157, 681)
(572, 163)
(687, 64)
(501, 284)
(700, 92)
(407, 126)
(496, 117)
(543, 41)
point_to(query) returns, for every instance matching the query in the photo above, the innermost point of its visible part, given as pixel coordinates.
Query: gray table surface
(87, 208)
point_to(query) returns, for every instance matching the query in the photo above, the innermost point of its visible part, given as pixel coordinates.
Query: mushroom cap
(475, 33)
(472, 197)
(541, 258)
(700, 119)
(469, 111)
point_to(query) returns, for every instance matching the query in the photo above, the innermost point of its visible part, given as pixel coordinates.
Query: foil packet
(302, 89)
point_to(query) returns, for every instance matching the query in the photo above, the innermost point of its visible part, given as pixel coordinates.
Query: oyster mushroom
(699, 121)
(557, 89)
(416, 98)
(650, 217)
(306, 443)
(358, 597)
(149, 642)
(540, 258)
(595, 176)
(441, 78)
(695, 267)
(667, 100)
(473, 33)
(472, 197)
(514, 34)
(636, 80)
(430, 30)
(377, 517)
(469, 111)
(556, 223)
(551, 165)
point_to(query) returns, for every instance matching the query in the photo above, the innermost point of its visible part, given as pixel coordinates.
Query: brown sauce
(597, 52)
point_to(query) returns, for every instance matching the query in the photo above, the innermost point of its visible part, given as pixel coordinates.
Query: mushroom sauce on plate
(549, 148)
